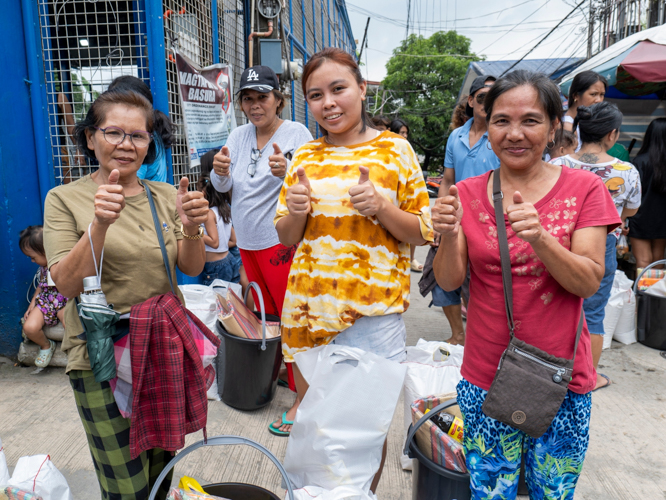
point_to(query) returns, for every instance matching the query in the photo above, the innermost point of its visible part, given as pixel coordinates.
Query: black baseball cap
(260, 78)
(478, 83)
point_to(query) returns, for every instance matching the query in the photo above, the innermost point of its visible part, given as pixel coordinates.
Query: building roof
(554, 68)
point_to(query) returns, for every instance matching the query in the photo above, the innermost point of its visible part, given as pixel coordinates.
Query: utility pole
(409, 10)
(590, 30)
(365, 36)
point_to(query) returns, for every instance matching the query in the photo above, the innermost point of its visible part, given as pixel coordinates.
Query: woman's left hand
(277, 162)
(524, 219)
(364, 196)
(191, 205)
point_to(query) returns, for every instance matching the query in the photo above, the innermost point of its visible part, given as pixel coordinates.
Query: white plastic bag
(658, 289)
(613, 312)
(342, 423)
(4, 472)
(432, 368)
(339, 493)
(625, 331)
(620, 312)
(38, 474)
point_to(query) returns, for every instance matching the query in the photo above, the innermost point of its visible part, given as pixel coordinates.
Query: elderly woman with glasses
(253, 163)
(110, 208)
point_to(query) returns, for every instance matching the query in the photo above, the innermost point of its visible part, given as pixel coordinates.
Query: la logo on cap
(252, 76)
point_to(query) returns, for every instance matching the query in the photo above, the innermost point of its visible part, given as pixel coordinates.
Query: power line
(518, 24)
(547, 35)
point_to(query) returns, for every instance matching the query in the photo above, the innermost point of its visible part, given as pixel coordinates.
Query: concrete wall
(20, 200)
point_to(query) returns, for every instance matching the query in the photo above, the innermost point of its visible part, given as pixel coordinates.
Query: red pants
(269, 268)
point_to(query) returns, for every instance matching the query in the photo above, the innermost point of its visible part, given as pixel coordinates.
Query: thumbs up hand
(364, 196)
(447, 214)
(277, 162)
(222, 162)
(109, 200)
(298, 195)
(524, 219)
(191, 205)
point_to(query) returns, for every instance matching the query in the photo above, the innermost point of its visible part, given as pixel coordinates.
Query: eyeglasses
(116, 136)
(480, 98)
(254, 158)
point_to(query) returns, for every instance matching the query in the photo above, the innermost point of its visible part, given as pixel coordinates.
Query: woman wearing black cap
(254, 162)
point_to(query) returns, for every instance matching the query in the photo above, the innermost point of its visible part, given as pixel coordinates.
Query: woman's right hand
(447, 214)
(109, 200)
(298, 195)
(222, 162)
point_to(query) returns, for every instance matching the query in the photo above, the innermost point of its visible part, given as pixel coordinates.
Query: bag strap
(160, 238)
(505, 260)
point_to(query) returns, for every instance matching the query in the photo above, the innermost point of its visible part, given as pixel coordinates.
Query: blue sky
(499, 29)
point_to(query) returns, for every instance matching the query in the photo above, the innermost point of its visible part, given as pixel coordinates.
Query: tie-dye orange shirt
(348, 265)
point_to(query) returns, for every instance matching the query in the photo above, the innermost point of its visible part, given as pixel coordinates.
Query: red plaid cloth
(168, 378)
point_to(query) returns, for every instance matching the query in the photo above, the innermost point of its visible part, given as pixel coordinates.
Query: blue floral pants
(493, 450)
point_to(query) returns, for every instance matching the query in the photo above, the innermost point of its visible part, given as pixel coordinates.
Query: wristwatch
(197, 236)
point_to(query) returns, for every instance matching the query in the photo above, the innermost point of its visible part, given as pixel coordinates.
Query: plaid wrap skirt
(108, 433)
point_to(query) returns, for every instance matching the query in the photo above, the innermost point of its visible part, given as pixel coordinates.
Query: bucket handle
(263, 311)
(220, 441)
(657, 263)
(423, 420)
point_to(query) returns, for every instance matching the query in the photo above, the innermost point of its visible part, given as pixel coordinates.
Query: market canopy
(635, 66)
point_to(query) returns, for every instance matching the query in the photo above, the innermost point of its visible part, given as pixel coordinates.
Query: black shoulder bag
(530, 384)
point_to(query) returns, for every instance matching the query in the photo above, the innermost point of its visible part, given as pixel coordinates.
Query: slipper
(276, 430)
(416, 266)
(608, 382)
(44, 357)
(283, 383)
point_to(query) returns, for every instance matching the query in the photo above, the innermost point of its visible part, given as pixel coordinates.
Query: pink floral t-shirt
(545, 314)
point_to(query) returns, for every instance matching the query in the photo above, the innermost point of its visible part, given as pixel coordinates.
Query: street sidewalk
(625, 460)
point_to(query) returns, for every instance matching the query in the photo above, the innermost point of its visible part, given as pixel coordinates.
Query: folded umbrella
(99, 321)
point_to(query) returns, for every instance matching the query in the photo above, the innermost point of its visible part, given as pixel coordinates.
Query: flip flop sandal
(283, 383)
(416, 266)
(276, 430)
(608, 382)
(45, 355)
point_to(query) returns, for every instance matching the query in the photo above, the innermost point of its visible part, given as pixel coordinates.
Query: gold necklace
(275, 126)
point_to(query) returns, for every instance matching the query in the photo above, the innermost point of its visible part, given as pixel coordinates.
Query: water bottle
(92, 292)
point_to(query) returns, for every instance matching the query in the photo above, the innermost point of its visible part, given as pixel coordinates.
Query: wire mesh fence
(85, 45)
(88, 43)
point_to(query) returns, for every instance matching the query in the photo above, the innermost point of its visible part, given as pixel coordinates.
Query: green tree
(424, 76)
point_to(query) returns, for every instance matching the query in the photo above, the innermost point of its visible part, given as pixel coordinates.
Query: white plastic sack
(613, 312)
(625, 331)
(432, 368)
(38, 474)
(342, 423)
(4, 472)
(339, 493)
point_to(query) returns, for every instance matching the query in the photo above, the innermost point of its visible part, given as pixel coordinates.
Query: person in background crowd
(162, 135)
(599, 129)
(459, 116)
(468, 154)
(564, 143)
(73, 162)
(647, 229)
(556, 221)
(587, 88)
(47, 305)
(399, 127)
(219, 234)
(253, 163)
(374, 229)
(381, 122)
(110, 209)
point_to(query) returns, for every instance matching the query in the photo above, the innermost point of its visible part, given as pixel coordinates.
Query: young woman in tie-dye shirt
(355, 200)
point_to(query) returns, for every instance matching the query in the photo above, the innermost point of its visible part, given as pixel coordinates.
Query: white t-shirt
(223, 233)
(567, 119)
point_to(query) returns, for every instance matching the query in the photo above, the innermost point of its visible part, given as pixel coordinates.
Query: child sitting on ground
(47, 305)
(564, 143)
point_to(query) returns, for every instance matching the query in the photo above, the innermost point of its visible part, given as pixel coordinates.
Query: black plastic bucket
(232, 491)
(248, 369)
(651, 316)
(239, 491)
(431, 481)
